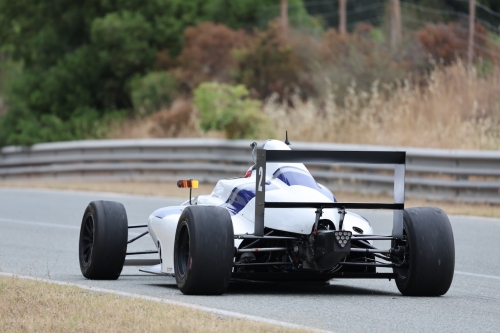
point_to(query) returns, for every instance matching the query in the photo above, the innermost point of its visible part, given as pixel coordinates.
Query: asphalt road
(39, 232)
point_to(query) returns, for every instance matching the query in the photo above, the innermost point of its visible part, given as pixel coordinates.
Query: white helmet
(272, 144)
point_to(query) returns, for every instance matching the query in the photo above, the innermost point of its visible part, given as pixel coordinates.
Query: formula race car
(277, 225)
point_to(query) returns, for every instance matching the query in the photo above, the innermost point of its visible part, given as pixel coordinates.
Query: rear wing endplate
(304, 156)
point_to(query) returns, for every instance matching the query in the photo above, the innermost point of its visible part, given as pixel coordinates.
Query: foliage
(360, 57)
(263, 61)
(227, 108)
(153, 92)
(494, 38)
(269, 65)
(77, 64)
(175, 121)
(299, 14)
(449, 42)
(82, 55)
(451, 104)
(26, 129)
(8, 71)
(237, 14)
(206, 55)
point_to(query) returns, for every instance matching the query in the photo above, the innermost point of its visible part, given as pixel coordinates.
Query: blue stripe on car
(291, 177)
(295, 176)
(240, 196)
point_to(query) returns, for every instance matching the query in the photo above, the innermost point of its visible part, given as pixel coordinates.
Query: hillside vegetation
(171, 68)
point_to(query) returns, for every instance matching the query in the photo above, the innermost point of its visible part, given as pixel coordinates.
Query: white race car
(277, 224)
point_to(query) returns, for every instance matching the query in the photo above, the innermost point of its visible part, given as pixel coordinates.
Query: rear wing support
(304, 156)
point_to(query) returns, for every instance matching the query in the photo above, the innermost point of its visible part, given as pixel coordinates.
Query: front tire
(430, 253)
(204, 250)
(103, 240)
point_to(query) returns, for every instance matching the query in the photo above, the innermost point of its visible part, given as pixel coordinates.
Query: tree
(79, 56)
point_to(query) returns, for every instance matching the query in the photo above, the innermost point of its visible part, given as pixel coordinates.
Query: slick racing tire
(204, 250)
(430, 253)
(103, 240)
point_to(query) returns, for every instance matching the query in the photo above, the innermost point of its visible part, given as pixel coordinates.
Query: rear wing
(302, 156)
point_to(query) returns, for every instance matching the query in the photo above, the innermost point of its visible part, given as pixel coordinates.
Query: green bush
(25, 128)
(153, 92)
(82, 55)
(227, 108)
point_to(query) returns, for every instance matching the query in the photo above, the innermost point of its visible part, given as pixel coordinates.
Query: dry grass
(452, 109)
(29, 306)
(167, 189)
(456, 110)
(179, 121)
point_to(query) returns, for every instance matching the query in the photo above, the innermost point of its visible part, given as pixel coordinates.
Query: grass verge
(437, 110)
(170, 189)
(43, 307)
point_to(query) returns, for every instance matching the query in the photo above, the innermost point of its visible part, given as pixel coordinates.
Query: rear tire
(431, 253)
(103, 240)
(204, 250)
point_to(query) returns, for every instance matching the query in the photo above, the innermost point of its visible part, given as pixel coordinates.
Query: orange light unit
(191, 183)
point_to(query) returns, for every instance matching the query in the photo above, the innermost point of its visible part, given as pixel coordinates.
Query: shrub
(153, 92)
(227, 108)
(25, 128)
(447, 42)
(174, 121)
(83, 54)
(269, 65)
(362, 57)
(206, 55)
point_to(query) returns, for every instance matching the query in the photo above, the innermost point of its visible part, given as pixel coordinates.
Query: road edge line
(484, 276)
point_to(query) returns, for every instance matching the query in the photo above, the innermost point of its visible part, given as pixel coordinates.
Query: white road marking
(40, 224)
(475, 218)
(479, 275)
(85, 192)
(51, 225)
(170, 302)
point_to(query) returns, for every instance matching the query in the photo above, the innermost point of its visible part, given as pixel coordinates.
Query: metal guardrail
(459, 175)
